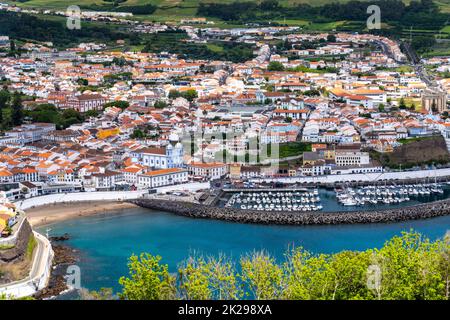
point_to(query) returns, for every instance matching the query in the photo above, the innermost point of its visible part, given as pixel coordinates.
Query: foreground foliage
(407, 267)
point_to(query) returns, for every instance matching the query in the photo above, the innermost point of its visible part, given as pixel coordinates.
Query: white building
(130, 174)
(167, 157)
(28, 133)
(211, 171)
(351, 158)
(162, 177)
(301, 114)
(106, 180)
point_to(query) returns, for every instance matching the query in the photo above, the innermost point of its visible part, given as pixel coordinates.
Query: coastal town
(260, 112)
(144, 120)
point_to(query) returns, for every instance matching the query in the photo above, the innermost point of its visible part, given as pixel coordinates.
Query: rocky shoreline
(195, 210)
(64, 256)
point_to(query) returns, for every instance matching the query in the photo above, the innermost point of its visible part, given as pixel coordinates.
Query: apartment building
(162, 177)
(106, 180)
(86, 102)
(27, 133)
(209, 171)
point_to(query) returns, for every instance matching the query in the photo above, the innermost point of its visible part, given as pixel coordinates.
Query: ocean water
(106, 241)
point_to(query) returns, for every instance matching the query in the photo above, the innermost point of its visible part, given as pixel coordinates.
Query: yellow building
(329, 154)
(106, 133)
(235, 171)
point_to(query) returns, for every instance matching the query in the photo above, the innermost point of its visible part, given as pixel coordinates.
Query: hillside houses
(172, 119)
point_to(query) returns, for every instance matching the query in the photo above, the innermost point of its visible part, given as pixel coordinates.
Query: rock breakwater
(194, 210)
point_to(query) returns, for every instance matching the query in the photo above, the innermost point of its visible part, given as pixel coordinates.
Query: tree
(381, 107)
(119, 104)
(262, 275)
(269, 5)
(160, 104)
(148, 280)
(173, 94)
(4, 98)
(17, 109)
(311, 93)
(223, 281)
(12, 46)
(331, 38)
(137, 134)
(409, 267)
(190, 95)
(275, 66)
(194, 279)
(434, 107)
(402, 104)
(348, 273)
(82, 82)
(423, 43)
(301, 279)
(119, 61)
(102, 294)
(91, 113)
(211, 278)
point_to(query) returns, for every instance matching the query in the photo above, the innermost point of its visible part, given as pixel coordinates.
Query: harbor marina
(388, 194)
(277, 200)
(342, 198)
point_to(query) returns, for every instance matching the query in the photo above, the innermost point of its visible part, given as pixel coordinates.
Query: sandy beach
(51, 213)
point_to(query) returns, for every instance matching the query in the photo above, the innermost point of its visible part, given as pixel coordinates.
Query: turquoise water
(106, 241)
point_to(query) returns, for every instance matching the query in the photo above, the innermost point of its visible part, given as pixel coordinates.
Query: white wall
(79, 196)
(12, 239)
(103, 195)
(39, 274)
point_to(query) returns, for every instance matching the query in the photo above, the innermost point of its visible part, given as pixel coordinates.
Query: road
(418, 66)
(39, 272)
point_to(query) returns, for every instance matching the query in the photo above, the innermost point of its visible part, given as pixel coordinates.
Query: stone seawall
(18, 250)
(421, 211)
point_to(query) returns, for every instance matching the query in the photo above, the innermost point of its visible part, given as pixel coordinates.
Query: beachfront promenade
(42, 259)
(362, 177)
(103, 195)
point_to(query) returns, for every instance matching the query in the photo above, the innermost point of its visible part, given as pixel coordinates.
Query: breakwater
(195, 210)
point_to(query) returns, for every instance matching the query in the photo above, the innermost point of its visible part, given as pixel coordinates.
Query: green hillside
(425, 22)
(174, 10)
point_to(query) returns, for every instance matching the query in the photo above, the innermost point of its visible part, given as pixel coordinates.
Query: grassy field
(401, 69)
(176, 10)
(411, 140)
(291, 149)
(444, 5)
(163, 4)
(409, 101)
